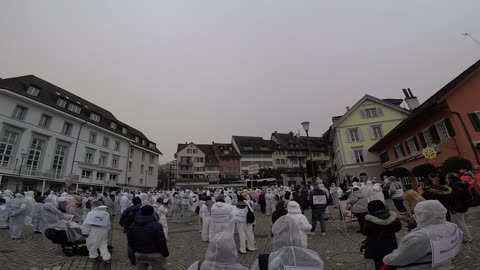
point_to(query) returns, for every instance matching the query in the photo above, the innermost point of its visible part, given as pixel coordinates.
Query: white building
(51, 139)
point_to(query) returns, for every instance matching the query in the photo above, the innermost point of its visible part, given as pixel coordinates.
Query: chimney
(410, 99)
(348, 108)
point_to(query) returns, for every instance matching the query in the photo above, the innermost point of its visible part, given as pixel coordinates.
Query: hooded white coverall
(17, 210)
(97, 232)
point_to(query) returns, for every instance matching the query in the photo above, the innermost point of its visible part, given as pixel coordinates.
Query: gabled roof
(288, 141)
(50, 93)
(232, 152)
(358, 103)
(257, 144)
(206, 149)
(429, 104)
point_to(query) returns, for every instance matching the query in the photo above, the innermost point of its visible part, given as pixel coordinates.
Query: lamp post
(306, 127)
(24, 156)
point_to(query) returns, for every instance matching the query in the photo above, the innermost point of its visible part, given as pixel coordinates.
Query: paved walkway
(339, 249)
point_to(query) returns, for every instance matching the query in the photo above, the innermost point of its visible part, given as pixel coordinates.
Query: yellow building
(352, 134)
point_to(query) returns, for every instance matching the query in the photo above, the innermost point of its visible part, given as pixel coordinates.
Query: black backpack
(473, 198)
(250, 216)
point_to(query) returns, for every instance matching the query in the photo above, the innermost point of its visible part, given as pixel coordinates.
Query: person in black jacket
(380, 228)
(318, 202)
(128, 216)
(280, 210)
(436, 189)
(459, 205)
(146, 241)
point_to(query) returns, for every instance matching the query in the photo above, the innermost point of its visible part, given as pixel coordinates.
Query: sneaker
(251, 250)
(324, 234)
(242, 252)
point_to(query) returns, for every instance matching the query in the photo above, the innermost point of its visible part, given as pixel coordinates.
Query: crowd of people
(220, 214)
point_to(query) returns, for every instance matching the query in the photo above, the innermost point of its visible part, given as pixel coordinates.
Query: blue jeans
(318, 215)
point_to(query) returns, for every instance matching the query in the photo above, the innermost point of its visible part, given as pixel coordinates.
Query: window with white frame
(86, 174)
(195, 151)
(61, 102)
(137, 140)
(117, 146)
(428, 136)
(7, 145)
(412, 146)
(142, 168)
(144, 142)
(93, 137)
(67, 128)
(95, 117)
(102, 161)
(115, 162)
(354, 135)
(113, 125)
(106, 142)
(377, 132)
(89, 156)
(33, 91)
(74, 108)
(399, 152)
(124, 130)
(45, 121)
(358, 155)
(101, 176)
(59, 160)
(442, 131)
(132, 152)
(150, 170)
(371, 113)
(34, 155)
(152, 158)
(113, 177)
(19, 112)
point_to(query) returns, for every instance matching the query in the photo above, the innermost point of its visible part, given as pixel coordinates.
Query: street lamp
(306, 127)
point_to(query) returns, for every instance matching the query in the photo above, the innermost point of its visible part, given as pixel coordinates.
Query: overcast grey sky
(205, 70)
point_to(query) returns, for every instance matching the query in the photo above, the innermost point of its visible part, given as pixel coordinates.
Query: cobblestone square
(339, 249)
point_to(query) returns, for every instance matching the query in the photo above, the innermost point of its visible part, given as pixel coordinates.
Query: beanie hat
(376, 206)
(136, 201)
(147, 210)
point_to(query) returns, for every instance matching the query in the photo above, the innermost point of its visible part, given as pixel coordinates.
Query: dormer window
(95, 117)
(61, 102)
(113, 125)
(33, 91)
(74, 108)
(137, 140)
(143, 142)
(124, 130)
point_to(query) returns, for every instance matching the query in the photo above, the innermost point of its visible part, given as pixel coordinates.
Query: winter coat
(146, 236)
(317, 192)
(441, 193)
(396, 190)
(278, 213)
(414, 251)
(380, 230)
(359, 201)
(459, 202)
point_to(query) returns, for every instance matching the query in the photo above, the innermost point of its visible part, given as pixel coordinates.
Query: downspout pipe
(76, 146)
(128, 159)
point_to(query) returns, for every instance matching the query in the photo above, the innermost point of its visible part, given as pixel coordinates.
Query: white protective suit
(377, 193)
(288, 250)
(124, 202)
(244, 229)
(221, 219)
(162, 212)
(97, 235)
(199, 205)
(415, 247)
(37, 211)
(204, 212)
(17, 210)
(270, 202)
(30, 205)
(49, 214)
(334, 193)
(221, 255)
(295, 213)
(7, 195)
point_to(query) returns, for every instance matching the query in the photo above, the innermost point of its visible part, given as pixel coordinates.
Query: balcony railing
(31, 171)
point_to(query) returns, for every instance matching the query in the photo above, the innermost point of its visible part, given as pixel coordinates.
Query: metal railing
(25, 170)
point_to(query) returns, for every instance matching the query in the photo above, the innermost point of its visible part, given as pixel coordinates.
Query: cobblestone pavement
(339, 249)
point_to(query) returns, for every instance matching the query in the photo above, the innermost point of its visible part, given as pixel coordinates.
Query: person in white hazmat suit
(37, 211)
(288, 250)
(244, 229)
(17, 210)
(49, 214)
(204, 212)
(414, 251)
(334, 194)
(221, 255)
(270, 202)
(221, 218)
(7, 195)
(124, 202)
(200, 204)
(162, 212)
(96, 227)
(377, 193)
(30, 205)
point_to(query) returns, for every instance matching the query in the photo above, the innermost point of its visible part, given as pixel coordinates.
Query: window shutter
(348, 136)
(360, 134)
(402, 150)
(365, 156)
(416, 143)
(434, 134)
(422, 140)
(395, 152)
(380, 111)
(450, 129)
(407, 147)
(362, 113)
(475, 121)
(371, 134)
